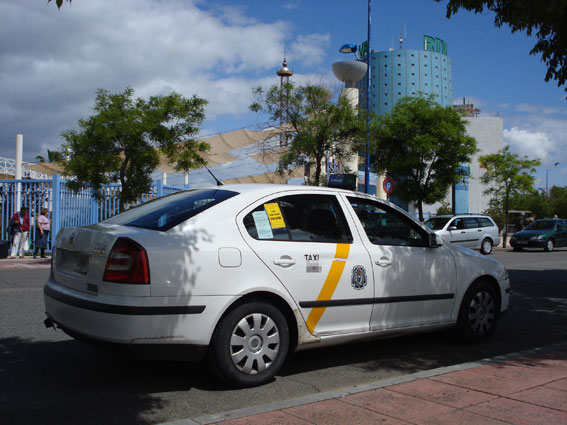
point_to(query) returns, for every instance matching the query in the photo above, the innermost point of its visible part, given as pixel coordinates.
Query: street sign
(388, 185)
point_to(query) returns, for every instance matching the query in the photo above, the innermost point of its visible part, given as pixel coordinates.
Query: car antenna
(219, 183)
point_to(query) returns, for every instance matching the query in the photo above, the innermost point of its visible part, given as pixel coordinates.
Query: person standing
(42, 233)
(530, 219)
(20, 222)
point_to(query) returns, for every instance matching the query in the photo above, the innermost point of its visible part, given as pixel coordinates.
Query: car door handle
(384, 262)
(463, 232)
(479, 230)
(284, 261)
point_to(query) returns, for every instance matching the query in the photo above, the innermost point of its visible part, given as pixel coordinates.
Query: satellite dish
(349, 71)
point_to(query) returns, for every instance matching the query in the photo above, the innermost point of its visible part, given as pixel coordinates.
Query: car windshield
(437, 223)
(541, 225)
(168, 211)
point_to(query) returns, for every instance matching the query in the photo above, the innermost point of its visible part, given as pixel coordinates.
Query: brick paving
(525, 388)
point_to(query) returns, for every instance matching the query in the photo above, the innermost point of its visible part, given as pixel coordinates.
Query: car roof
(460, 215)
(261, 189)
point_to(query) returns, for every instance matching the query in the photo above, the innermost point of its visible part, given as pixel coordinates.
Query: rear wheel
(479, 312)
(486, 246)
(549, 245)
(249, 345)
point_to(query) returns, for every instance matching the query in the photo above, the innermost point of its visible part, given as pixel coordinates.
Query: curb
(312, 398)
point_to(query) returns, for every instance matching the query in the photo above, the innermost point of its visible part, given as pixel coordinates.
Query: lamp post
(351, 48)
(368, 61)
(547, 179)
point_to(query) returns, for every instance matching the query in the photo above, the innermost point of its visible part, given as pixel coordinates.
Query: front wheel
(479, 313)
(549, 245)
(486, 246)
(249, 345)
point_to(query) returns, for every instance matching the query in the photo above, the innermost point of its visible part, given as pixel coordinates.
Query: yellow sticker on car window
(274, 215)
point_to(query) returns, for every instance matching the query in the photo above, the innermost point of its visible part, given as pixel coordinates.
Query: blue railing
(68, 208)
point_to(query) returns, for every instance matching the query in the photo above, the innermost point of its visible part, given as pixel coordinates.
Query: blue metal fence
(68, 208)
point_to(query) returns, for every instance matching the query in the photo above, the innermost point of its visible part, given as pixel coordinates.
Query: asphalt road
(48, 378)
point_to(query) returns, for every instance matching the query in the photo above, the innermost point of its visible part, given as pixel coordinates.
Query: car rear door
(473, 232)
(414, 284)
(307, 242)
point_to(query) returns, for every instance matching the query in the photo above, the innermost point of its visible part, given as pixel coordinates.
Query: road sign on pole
(388, 185)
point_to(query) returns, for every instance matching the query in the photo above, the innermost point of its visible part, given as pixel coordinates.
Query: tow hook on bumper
(49, 323)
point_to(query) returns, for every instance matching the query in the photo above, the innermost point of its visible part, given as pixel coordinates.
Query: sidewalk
(523, 388)
(28, 262)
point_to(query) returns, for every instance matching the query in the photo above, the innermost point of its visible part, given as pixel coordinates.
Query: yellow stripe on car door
(328, 289)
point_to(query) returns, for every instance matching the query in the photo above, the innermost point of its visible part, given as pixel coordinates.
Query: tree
(421, 145)
(444, 209)
(52, 156)
(59, 3)
(547, 19)
(123, 140)
(315, 127)
(558, 196)
(508, 175)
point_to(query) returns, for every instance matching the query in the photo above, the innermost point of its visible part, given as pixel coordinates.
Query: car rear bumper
(150, 327)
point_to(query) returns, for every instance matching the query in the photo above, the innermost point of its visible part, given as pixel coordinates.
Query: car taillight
(127, 263)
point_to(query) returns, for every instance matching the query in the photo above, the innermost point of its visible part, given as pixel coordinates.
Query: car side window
(304, 218)
(385, 226)
(458, 223)
(485, 222)
(471, 223)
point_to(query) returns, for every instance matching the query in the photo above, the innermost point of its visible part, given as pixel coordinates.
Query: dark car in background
(546, 234)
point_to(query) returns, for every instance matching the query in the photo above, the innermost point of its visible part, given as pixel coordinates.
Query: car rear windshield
(166, 212)
(437, 223)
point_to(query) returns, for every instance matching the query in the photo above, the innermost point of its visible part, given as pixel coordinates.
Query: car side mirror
(452, 228)
(435, 240)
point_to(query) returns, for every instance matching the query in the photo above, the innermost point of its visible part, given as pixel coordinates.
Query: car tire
(479, 313)
(249, 345)
(549, 245)
(486, 246)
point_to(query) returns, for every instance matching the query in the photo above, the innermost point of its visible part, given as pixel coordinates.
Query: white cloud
(310, 48)
(530, 144)
(52, 61)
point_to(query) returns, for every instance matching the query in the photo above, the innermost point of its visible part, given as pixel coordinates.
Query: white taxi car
(244, 274)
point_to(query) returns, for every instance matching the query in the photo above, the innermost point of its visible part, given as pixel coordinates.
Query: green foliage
(424, 143)
(541, 205)
(52, 156)
(122, 141)
(536, 203)
(445, 208)
(508, 175)
(558, 196)
(59, 3)
(495, 210)
(314, 127)
(547, 20)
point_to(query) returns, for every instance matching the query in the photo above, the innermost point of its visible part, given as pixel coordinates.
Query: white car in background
(241, 275)
(474, 231)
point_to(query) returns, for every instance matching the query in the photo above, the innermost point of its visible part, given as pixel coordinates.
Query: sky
(53, 61)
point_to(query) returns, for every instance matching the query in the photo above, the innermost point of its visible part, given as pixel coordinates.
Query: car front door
(456, 232)
(414, 283)
(562, 233)
(306, 241)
